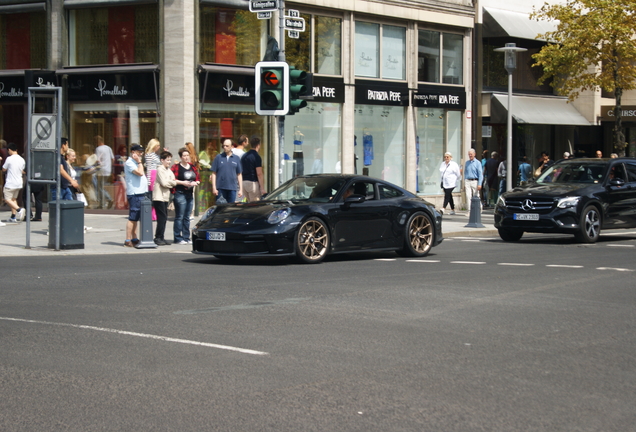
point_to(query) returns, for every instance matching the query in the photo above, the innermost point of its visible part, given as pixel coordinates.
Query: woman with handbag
(450, 174)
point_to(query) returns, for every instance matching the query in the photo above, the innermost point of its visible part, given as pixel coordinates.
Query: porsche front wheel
(312, 241)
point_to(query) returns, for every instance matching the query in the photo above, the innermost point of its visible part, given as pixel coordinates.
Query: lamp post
(510, 62)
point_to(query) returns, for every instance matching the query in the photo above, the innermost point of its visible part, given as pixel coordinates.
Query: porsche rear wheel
(312, 241)
(419, 235)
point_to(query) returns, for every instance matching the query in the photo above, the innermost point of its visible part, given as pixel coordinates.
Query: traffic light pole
(281, 119)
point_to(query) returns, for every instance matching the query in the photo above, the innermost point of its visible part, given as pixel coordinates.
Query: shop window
(231, 36)
(313, 141)
(525, 77)
(380, 51)
(380, 142)
(438, 131)
(440, 55)
(23, 40)
(114, 35)
(326, 33)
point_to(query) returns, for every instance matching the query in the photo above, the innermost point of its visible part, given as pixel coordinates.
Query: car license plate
(216, 236)
(526, 216)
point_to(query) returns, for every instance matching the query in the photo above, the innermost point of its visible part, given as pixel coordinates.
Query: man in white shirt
(239, 150)
(14, 168)
(106, 158)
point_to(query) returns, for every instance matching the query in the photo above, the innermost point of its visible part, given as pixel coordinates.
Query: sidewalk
(107, 233)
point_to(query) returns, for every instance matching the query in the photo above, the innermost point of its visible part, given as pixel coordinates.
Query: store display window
(114, 35)
(440, 55)
(380, 142)
(313, 140)
(438, 131)
(23, 40)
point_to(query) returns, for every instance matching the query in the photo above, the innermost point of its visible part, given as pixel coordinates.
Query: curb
(481, 233)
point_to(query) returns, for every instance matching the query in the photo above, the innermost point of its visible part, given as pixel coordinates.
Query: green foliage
(593, 47)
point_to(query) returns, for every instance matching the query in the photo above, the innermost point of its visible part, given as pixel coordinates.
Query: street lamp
(510, 63)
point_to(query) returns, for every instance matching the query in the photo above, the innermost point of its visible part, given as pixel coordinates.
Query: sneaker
(20, 214)
(128, 243)
(452, 212)
(12, 220)
(181, 242)
(191, 217)
(188, 241)
(3, 224)
(441, 211)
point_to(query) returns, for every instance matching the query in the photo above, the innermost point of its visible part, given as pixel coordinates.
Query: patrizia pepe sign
(440, 97)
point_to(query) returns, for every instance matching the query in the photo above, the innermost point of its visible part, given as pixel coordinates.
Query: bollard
(145, 226)
(474, 220)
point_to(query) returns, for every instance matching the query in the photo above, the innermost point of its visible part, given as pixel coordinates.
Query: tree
(592, 48)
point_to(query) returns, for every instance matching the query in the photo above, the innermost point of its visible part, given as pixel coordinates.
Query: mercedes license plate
(216, 236)
(526, 216)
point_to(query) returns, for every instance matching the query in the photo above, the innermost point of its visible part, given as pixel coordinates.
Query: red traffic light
(270, 78)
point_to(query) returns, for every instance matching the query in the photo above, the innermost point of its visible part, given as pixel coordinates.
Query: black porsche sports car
(315, 215)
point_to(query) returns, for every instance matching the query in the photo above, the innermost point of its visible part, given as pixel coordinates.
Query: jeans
(182, 210)
(65, 195)
(228, 194)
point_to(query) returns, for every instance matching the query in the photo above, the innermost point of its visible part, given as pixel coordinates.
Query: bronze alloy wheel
(419, 236)
(312, 241)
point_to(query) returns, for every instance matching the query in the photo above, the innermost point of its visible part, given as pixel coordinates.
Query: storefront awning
(76, 4)
(503, 23)
(536, 110)
(23, 7)
(144, 67)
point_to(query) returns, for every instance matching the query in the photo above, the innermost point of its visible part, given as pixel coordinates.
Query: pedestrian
(450, 175)
(227, 177)
(194, 160)
(136, 189)
(253, 180)
(14, 167)
(164, 182)
(187, 177)
(473, 177)
(483, 194)
(599, 154)
(239, 147)
(106, 158)
(66, 180)
(151, 159)
(501, 174)
(492, 165)
(525, 172)
(545, 163)
(35, 189)
(613, 155)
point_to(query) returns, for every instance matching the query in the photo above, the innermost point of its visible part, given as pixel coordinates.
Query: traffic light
(272, 88)
(298, 86)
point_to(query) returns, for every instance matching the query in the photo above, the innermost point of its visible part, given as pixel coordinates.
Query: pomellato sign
(111, 86)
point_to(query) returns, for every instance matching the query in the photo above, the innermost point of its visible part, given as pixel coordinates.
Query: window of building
(321, 42)
(380, 142)
(524, 77)
(438, 131)
(114, 35)
(380, 51)
(23, 40)
(231, 36)
(313, 140)
(440, 55)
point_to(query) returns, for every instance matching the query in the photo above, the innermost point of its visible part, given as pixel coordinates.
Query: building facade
(392, 86)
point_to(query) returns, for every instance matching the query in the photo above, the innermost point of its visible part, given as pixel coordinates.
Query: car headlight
(279, 215)
(568, 202)
(501, 201)
(208, 213)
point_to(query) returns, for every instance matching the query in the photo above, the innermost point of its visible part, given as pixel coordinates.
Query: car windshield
(314, 189)
(574, 172)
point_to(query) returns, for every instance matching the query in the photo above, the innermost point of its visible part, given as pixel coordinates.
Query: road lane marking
(564, 266)
(385, 259)
(515, 264)
(467, 262)
(614, 268)
(243, 306)
(423, 260)
(620, 245)
(141, 335)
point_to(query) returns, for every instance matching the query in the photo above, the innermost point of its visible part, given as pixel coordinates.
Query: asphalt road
(479, 335)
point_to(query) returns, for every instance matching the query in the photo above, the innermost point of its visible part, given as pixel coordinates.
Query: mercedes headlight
(279, 215)
(501, 201)
(568, 202)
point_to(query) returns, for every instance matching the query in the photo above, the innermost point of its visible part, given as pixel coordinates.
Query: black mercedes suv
(574, 196)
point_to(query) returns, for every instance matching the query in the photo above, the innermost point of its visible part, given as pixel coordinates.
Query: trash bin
(71, 224)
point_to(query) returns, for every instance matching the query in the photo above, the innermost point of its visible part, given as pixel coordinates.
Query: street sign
(293, 34)
(293, 23)
(263, 15)
(263, 5)
(43, 132)
(293, 13)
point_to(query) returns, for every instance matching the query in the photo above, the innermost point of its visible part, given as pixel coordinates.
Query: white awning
(503, 23)
(537, 110)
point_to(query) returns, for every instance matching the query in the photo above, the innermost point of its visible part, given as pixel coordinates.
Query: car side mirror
(617, 182)
(353, 199)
